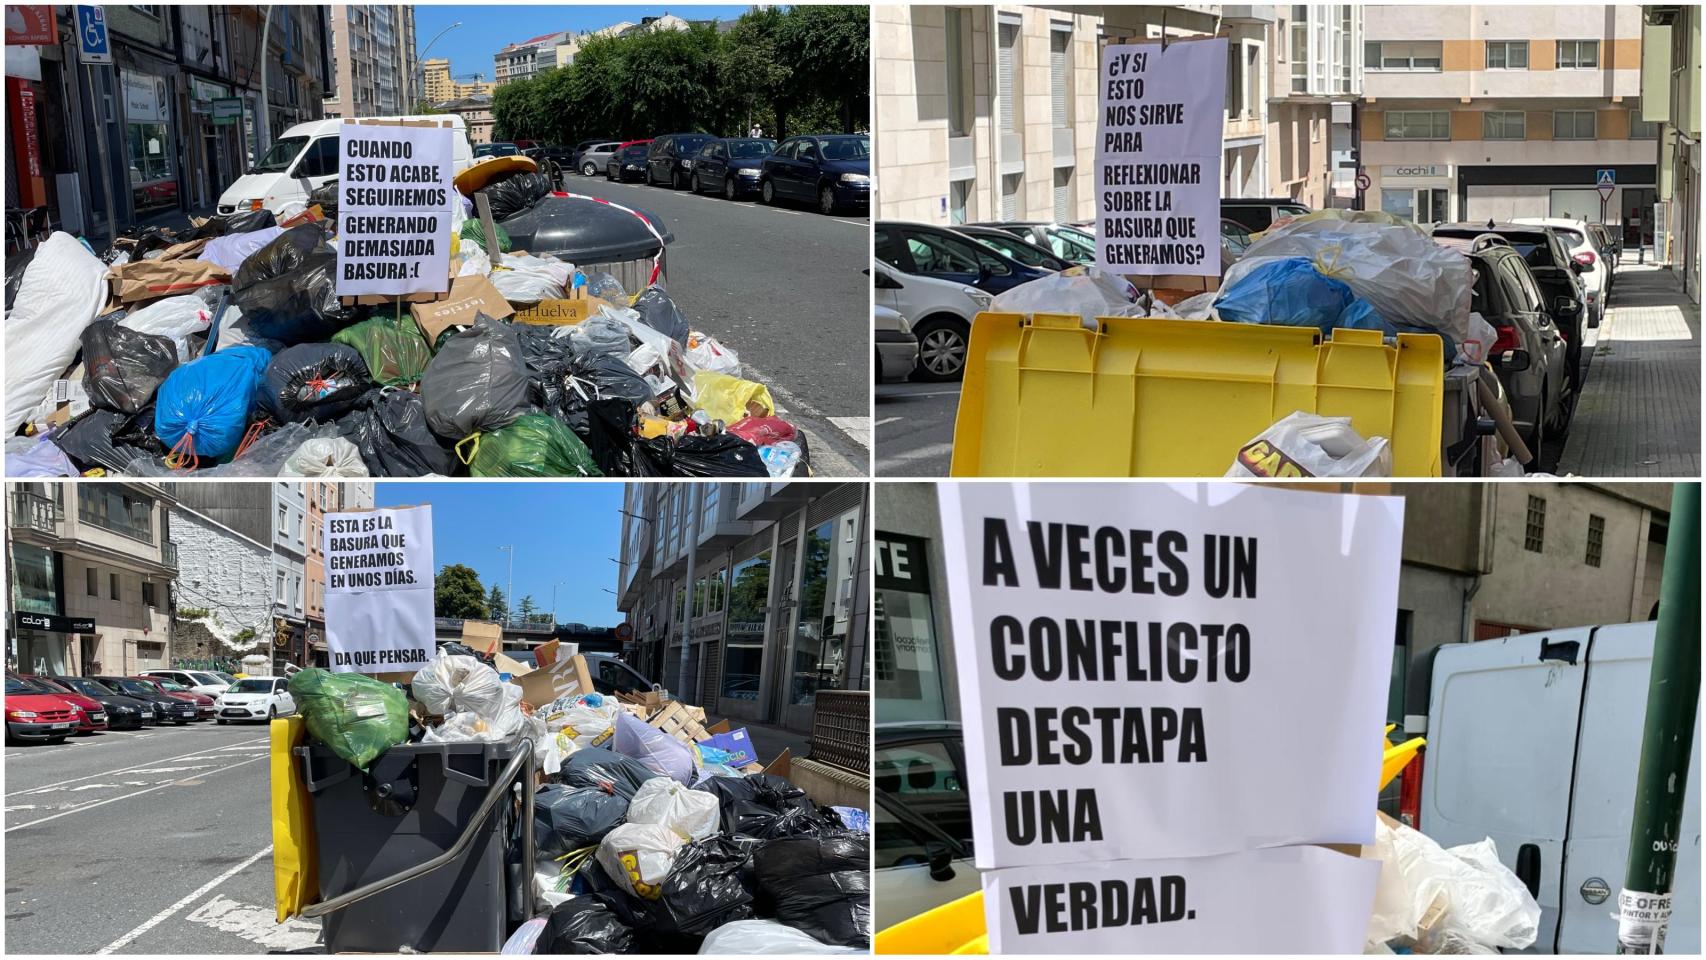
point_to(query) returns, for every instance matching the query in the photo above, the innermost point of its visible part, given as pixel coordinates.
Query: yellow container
(1178, 398)
(296, 881)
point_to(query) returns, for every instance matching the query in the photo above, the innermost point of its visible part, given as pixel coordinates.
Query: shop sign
(52, 623)
(144, 97)
(32, 25)
(706, 628)
(203, 95)
(903, 563)
(1432, 170)
(226, 110)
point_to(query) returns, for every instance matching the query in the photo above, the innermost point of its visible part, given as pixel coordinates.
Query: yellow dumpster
(296, 880)
(1045, 396)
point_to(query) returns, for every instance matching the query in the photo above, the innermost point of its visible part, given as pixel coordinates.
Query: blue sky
(561, 531)
(487, 29)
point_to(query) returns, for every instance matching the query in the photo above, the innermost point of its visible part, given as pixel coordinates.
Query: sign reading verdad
(395, 191)
(379, 583)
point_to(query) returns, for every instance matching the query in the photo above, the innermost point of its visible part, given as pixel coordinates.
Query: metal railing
(32, 511)
(169, 554)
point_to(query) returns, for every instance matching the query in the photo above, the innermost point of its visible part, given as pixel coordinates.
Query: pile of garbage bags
(181, 353)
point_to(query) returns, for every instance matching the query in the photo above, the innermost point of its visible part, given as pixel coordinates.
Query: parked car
(195, 681)
(922, 855)
(32, 715)
(939, 252)
(1259, 213)
(256, 698)
(1570, 703)
(203, 703)
(669, 160)
(589, 142)
(612, 675)
(1070, 243)
(123, 713)
(1013, 246)
(730, 166)
(305, 158)
(1550, 263)
(1597, 273)
(1610, 247)
(831, 171)
(496, 149)
(1234, 240)
(591, 160)
(897, 346)
(940, 313)
(167, 707)
(560, 155)
(91, 715)
(628, 163)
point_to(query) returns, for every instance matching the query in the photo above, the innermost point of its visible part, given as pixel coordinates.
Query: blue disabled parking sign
(92, 39)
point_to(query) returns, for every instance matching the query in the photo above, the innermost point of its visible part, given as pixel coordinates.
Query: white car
(255, 698)
(199, 681)
(1596, 281)
(922, 820)
(940, 312)
(897, 348)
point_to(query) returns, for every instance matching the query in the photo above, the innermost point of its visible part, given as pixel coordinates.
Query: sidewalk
(1639, 413)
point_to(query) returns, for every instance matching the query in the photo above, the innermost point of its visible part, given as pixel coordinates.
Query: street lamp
(509, 595)
(554, 587)
(420, 58)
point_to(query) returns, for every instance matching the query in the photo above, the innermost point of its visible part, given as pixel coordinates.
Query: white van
(1534, 741)
(305, 158)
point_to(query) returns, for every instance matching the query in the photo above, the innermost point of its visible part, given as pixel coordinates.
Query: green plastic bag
(473, 230)
(535, 445)
(354, 714)
(394, 349)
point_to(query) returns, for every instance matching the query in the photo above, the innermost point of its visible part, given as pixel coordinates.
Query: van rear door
(1501, 751)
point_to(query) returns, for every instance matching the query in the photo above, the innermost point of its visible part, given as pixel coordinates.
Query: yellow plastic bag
(729, 399)
(295, 872)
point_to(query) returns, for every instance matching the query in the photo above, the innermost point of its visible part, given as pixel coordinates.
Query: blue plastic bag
(1290, 292)
(209, 399)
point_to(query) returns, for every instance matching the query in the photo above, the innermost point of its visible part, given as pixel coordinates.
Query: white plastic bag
(1199, 307)
(1471, 902)
(1305, 445)
(638, 857)
(174, 317)
(63, 288)
(1474, 348)
(765, 937)
(36, 457)
(456, 682)
(328, 457)
(585, 724)
(1086, 291)
(694, 814)
(523, 278)
(705, 352)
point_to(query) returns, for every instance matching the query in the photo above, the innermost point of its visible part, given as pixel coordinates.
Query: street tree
(526, 608)
(497, 605)
(456, 592)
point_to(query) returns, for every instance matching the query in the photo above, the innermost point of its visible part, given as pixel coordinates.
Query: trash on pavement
(1305, 445)
(752, 937)
(1435, 900)
(820, 884)
(585, 926)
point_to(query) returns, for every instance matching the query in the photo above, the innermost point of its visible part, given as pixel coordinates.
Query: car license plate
(62, 726)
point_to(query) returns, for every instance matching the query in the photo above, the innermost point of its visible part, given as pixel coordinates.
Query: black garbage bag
(123, 367)
(287, 289)
(91, 441)
(605, 769)
(141, 241)
(477, 381)
(570, 818)
(314, 381)
(391, 432)
(722, 455)
(608, 375)
(654, 457)
(763, 805)
(703, 891)
(610, 435)
(587, 926)
(548, 363)
(243, 221)
(821, 885)
(658, 311)
(326, 197)
(512, 194)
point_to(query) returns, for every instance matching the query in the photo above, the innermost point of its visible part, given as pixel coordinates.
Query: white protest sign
(379, 582)
(1298, 900)
(1161, 670)
(1158, 136)
(395, 190)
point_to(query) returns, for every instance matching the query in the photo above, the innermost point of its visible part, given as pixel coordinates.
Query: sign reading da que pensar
(379, 585)
(395, 191)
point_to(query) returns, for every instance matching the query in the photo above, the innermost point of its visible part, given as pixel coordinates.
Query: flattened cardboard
(565, 312)
(468, 296)
(482, 636)
(560, 679)
(545, 654)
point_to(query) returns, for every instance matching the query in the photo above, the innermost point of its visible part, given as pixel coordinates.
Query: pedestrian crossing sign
(1605, 178)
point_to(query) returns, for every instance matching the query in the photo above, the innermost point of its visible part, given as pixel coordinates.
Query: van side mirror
(1564, 306)
(1515, 361)
(1528, 867)
(941, 860)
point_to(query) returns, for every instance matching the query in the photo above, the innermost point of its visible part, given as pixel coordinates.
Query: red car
(37, 716)
(91, 715)
(203, 702)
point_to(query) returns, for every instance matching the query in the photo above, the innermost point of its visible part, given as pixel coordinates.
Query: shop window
(825, 597)
(743, 644)
(908, 661)
(714, 592)
(34, 589)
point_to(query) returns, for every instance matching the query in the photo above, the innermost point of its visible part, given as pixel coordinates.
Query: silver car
(897, 347)
(922, 820)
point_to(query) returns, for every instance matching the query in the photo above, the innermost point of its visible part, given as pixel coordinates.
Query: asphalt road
(783, 287)
(915, 428)
(156, 841)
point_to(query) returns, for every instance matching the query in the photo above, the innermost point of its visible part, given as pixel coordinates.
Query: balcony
(169, 554)
(32, 511)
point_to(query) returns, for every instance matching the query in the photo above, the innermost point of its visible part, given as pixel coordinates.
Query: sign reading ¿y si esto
(379, 582)
(395, 191)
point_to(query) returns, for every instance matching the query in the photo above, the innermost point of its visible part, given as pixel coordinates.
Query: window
(826, 572)
(115, 510)
(112, 585)
(1010, 195)
(1507, 54)
(1534, 537)
(282, 520)
(709, 515)
(92, 582)
(1504, 125)
(1572, 124)
(743, 644)
(956, 75)
(279, 592)
(320, 160)
(1062, 194)
(1578, 54)
(937, 255)
(148, 593)
(1060, 77)
(958, 192)
(1006, 68)
(1642, 129)
(1299, 52)
(1418, 125)
(1406, 55)
(1596, 539)
(714, 592)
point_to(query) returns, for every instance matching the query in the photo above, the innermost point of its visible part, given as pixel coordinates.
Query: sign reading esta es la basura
(379, 583)
(1156, 678)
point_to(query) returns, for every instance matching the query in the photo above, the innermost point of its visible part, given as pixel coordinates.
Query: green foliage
(497, 605)
(192, 613)
(526, 608)
(244, 635)
(456, 592)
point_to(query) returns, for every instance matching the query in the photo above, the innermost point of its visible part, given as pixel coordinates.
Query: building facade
(91, 571)
(373, 55)
(518, 61)
(779, 604)
(436, 85)
(1670, 97)
(1484, 112)
(223, 583)
(320, 498)
(476, 113)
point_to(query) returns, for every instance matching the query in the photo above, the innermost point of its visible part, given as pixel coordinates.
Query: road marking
(255, 924)
(859, 428)
(888, 420)
(194, 766)
(102, 803)
(108, 773)
(196, 894)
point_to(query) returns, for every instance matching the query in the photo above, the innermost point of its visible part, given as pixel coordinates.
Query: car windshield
(171, 687)
(749, 149)
(846, 148)
(224, 677)
(504, 150)
(88, 687)
(14, 685)
(1013, 247)
(277, 160)
(206, 678)
(135, 686)
(1571, 237)
(252, 685)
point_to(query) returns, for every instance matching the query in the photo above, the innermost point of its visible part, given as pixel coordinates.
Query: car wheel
(767, 192)
(729, 192)
(676, 180)
(272, 713)
(826, 200)
(588, 170)
(696, 183)
(941, 350)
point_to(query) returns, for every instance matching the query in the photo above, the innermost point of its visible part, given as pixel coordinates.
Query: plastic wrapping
(209, 399)
(287, 290)
(122, 368)
(314, 381)
(702, 891)
(497, 721)
(535, 445)
(176, 318)
(780, 458)
(1461, 900)
(324, 457)
(394, 350)
(762, 431)
(264, 456)
(523, 278)
(1086, 291)
(472, 229)
(40, 456)
(638, 857)
(566, 819)
(583, 723)
(451, 682)
(606, 287)
(607, 770)
(609, 376)
(62, 289)
(355, 715)
(245, 221)
(1306, 445)
(1291, 292)
(693, 814)
(658, 310)
(476, 382)
(657, 751)
(585, 926)
(723, 455)
(598, 334)
(820, 884)
(110, 440)
(729, 398)
(392, 434)
(231, 250)
(705, 352)
(765, 937)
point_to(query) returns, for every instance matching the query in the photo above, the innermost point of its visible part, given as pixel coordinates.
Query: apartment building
(91, 570)
(779, 604)
(436, 85)
(519, 61)
(373, 56)
(476, 113)
(1314, 84)
(1497, 111)
(1670, 97)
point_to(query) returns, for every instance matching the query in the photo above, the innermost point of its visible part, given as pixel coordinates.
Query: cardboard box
(570, 310)
(737, 742)
(563, 678)
(468, 297)
(482, 636)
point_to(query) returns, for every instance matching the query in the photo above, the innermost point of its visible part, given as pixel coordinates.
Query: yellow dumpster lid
(1046, 396)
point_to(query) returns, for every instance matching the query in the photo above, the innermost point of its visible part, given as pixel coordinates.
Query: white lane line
(255, 924)
(108, 773)
(102, 803)
(166, 914)
(859, 428)
(888, 420)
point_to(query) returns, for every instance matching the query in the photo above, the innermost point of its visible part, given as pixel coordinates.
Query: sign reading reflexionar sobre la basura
(395, 190)
(1158, 142)
(379, 582)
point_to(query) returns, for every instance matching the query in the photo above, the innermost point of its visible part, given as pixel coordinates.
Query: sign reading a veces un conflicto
(395, 190)
(379, 583)
(1158, 682)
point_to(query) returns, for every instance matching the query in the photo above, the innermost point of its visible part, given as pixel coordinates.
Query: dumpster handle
(523, 760)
